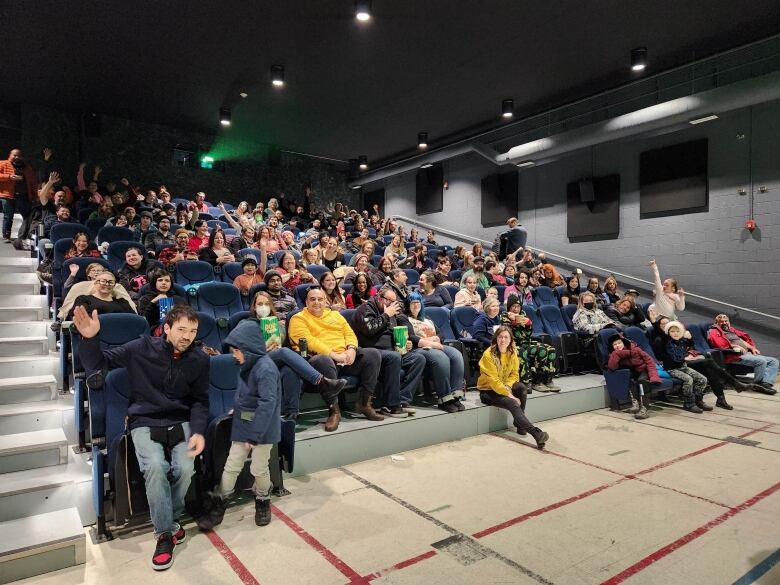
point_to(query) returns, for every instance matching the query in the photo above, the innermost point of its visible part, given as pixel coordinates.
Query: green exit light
(207, 162)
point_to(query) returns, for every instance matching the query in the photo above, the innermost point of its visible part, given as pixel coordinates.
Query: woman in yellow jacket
(499, 383)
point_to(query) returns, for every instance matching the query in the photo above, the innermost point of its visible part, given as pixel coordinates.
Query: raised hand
(54, 177)
(74, 268)
(47, 152)
(652, 263)
(88, 326)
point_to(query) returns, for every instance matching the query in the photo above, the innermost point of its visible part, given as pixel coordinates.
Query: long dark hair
(356, 293)
(336, 295)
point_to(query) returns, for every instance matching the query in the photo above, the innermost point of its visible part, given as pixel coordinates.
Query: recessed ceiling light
(422, 140)
(357, 186)
(508, 108)
(363, 162)
(638, 58)
(277, 75)
(526, 163)
(224, 116)
(363, 10)
(426, 166)
(243, 94)
(705, 118)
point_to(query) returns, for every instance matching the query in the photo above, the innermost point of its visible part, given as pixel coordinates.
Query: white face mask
(263, 311)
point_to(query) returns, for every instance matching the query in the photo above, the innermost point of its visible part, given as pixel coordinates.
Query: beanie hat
(671, 324)
(613, 338)
(249, 260)
(269, 274)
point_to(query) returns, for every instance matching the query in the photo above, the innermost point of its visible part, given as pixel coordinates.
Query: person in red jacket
(17, 189)
(624, 354)
(743, 351)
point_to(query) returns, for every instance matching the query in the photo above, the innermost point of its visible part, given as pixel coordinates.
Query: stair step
(24, 328)
(23, 300)
(33, 416)
(21, 346)
(40, 544)
(17, 265)
(17, 313)
(22, 366)
(31, 450)
(28, 389)
(21, 283)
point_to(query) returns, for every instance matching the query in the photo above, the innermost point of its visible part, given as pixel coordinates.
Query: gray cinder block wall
(710, 253)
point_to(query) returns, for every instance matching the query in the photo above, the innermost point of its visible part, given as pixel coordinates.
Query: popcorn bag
(272, 334)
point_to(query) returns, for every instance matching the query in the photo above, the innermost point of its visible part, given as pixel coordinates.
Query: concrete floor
(679, 498)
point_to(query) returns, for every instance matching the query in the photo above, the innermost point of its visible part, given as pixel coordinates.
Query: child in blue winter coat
(256, 421)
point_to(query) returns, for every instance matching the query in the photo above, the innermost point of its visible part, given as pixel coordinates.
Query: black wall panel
(673, 180)
(499, 198)
(430, 190)
(598, 219)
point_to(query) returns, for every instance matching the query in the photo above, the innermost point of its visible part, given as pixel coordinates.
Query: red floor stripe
(235, 563)
(327, 554)
(691, 536)
(401, 565)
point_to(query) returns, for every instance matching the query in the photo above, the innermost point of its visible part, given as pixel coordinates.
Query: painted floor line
(486, 551)
(726, 413)
(402, 565)
(759, 570)
(659, 554)
(230, 557)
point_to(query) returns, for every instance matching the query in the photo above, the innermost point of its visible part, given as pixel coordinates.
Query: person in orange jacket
(17, 189)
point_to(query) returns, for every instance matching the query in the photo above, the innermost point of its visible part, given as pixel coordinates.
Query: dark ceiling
(352, 88)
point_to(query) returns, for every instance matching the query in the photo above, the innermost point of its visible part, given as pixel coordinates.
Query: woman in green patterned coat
(537, 360)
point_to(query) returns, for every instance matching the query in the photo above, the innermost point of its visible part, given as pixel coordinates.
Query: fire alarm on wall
(446, 185)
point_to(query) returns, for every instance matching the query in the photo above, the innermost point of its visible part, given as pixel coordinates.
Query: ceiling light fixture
(363, 162)
(422, 140)
(277, 75)
(363, 10)
(638, 59)
(526, 163)
(426, 166)
(224, 116)
(508, 108)
(704, 118)
(243, 94)
(356, 186)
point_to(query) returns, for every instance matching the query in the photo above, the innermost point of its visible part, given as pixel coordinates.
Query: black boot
(690, 406)
(330, 388)
(721, 403)
(700, 403)
(540, 437)
(262, 512)
(763, 388)
(214, 515)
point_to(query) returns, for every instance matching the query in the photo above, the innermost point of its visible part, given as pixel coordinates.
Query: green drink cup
(400, 337)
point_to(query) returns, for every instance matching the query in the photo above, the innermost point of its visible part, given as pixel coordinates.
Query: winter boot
(700, 403)
(540, 437)
(363, 406)
(213, 515)
(330, 388)
(721, 403)
(641, 413)
(334, 418)
(634, 406)
(690, 406)
(262, 512)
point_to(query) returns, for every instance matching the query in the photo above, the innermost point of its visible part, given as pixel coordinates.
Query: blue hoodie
(257, 414)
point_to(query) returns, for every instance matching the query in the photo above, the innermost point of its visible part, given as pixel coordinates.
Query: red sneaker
(180, 535)
(163, 552)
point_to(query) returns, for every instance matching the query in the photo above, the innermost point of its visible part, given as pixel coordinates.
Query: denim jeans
(397, 390)
(444, 371)
(764, 367)
(165, 494)
(693, 383)
(292, 369)
(9, 208)
(258, 467)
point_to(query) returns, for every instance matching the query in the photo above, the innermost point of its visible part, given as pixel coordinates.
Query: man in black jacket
(167, 413)
(373, 323)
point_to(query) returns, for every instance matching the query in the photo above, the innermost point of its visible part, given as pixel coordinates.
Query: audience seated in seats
(101, 298)
(672, 345)
(478, 272)
(414, 236)
(132, 275)
(200, 202)
(550, 276)
(499, 383)
(168, 411)
(331, 343)
(611, 293)
(267, 238)
(104, 212)
(289, 243)
(292, 272)
(251, 276)
(201, 237)
(571, 293)
(477, 250)
(493, 273)
(216, 252)
(521, 289)
(669, 298)
(468, 295)
(361, 292)
(457, 256)
(624, 354)
(244, 239)
(444, 365)
(418, 260)
(169, 256)
(433, 294)
(509, 273)
(385, 269)
(144, 226)
(589, 319)
(85, 287)
(160, 287)
(333, 295)
(82, 248)
(309, 257)
(538, 361)
(626, 312)
(332, 256)
(397, 248)
(361, 265)
(487, 321)
(160, 237)
(430, 239)
(187, 217)
(595, 288)
(299, 368)
(397, 281)
(443, 269)
(723, 336)
(284, 302)
(373, 323)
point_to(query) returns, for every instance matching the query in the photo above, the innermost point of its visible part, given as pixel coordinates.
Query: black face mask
(589, 306)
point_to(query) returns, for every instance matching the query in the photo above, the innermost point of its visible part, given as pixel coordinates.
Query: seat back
(375, 260)
(112, 233)
(118, 328)
(116, 253)
(348, 314)
(116, 392)
(568, 315)
(61, 231)
(208, 332)
(441, 318)
(412, 277)
(278, 255)
(220, 300)
(317, 270)
(250, 251)
(699, 337)
(544, 295)
(602, 346)
(230, 270)
(639, 337)
(552, 320)
(82, 263)
(452, 289)
(462, 318)
(536, 322)
(559, 290)
(456, 275)
(190, 272)
(94, 225)
(215, 223)
(300, 294)
(255, 289)
(238, 317)
(223, 381)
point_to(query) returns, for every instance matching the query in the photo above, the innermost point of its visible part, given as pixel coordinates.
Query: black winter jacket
(375, 329)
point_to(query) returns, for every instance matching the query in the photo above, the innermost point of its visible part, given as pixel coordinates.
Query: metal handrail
(467, 238)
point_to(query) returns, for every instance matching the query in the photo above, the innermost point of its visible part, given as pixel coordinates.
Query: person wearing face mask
(589, 319)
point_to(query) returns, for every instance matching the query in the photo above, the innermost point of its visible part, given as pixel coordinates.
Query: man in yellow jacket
(334, 352)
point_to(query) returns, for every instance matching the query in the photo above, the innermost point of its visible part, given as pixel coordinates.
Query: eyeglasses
(104, 282)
